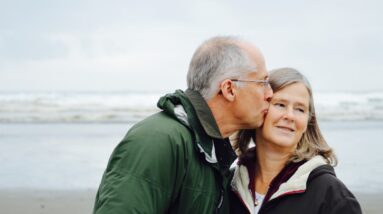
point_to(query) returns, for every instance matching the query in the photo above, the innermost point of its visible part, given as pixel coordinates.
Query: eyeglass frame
(266, 83)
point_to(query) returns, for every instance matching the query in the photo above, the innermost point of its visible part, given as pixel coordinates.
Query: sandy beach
(81, 202)
(46, 201)
(371, 203)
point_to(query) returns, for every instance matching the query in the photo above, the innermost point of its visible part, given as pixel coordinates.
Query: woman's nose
(289, 114)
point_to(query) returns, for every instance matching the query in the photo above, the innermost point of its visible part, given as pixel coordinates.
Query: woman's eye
(300, 110)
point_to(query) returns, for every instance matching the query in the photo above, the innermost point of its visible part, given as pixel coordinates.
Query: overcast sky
(79, 45)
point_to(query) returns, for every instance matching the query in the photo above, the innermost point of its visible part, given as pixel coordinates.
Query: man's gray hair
(215, 60)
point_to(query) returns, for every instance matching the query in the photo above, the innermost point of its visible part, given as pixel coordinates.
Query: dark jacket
(174, 161)
(312, 188)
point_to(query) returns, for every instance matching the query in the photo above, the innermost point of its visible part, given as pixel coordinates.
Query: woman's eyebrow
(287, 101)
(301, 104)
(279, 99)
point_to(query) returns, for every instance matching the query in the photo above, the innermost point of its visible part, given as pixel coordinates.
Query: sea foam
(132, 107)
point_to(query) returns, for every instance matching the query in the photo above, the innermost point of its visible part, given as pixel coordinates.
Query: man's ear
(228, 90)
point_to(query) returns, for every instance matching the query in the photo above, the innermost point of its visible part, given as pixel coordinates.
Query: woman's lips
(286, 128)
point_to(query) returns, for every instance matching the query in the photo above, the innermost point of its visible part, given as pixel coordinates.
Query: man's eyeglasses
(265, 83)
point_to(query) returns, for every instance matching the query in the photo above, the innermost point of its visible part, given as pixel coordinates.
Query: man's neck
(227, 126)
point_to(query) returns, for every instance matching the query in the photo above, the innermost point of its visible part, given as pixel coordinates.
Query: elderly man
(177, 160)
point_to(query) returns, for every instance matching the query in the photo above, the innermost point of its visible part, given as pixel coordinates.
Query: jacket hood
(298, 182)
(169, 103)
(324, 169)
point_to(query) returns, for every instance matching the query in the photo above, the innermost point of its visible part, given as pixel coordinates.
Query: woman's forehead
(296, 92)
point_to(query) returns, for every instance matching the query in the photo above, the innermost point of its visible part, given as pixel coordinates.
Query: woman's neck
(270, 161)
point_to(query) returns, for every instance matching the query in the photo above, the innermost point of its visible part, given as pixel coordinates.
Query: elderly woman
(290, 170)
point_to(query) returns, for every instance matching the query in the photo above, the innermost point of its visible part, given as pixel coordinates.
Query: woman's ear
(228, 90)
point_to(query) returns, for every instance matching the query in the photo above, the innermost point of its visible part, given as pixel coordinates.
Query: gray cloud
(125, 44)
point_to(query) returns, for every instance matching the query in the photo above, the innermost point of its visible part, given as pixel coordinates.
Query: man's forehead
(261, 74)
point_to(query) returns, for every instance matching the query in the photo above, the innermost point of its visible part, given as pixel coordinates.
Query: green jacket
(174, 161)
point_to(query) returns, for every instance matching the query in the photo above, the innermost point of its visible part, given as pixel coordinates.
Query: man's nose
(268, 94)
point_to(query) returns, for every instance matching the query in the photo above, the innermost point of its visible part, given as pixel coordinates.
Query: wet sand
(81, 201)
(46, 201)
(371, 203)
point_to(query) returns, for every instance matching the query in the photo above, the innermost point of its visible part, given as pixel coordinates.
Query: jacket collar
(192, 110)
(298, 182)
(295, 184)
(204, 114)
(211, 144)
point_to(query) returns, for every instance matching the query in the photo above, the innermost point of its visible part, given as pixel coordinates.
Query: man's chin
(259, 123)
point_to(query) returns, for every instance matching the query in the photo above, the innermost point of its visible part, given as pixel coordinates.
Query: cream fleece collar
(297, 182)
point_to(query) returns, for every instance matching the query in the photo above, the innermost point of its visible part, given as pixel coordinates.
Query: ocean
(62, 141)
(129, 107)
